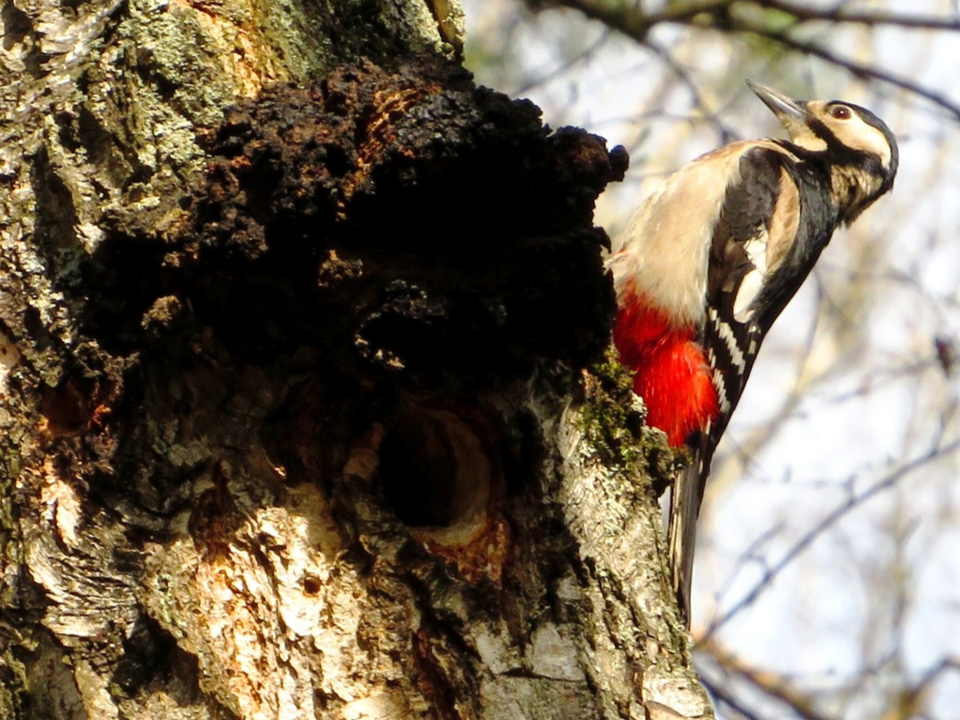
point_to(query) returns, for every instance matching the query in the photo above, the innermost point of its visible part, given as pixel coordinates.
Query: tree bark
(295, 322)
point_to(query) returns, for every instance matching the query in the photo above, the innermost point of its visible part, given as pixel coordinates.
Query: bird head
(848, 137)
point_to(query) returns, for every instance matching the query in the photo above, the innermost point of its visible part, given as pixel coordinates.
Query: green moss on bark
(612, 421)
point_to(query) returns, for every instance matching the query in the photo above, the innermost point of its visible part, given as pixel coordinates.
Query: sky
(849, 420)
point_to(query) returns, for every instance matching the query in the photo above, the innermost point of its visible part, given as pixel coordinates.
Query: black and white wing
(754, 234)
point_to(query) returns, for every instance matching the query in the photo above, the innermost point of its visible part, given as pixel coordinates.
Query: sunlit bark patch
(9, 357)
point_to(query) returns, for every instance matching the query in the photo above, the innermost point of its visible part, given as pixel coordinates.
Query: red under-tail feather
(673, 376)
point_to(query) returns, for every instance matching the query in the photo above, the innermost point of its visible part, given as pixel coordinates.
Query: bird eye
(840, 112)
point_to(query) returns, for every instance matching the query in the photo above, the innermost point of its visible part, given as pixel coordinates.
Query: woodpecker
(712, 257)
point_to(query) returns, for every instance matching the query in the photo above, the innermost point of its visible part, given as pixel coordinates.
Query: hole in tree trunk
(435, 470)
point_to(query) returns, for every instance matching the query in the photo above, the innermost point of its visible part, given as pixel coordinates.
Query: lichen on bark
(287, 370)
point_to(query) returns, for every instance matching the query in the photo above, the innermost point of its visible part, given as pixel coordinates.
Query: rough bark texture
(294, 422)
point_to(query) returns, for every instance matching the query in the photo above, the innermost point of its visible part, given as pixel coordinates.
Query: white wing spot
(749, 288)
(752, 283)
(756, 250)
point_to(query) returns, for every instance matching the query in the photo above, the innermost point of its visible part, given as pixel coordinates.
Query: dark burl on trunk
(305, 452)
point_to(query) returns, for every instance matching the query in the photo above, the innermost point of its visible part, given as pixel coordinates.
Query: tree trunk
(295, 321)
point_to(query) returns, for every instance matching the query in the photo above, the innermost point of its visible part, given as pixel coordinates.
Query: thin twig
(831, 519)
(858, 69)
(806, 13)
(631, 20)
(771, 684)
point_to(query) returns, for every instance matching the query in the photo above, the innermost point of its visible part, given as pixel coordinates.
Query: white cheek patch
(810, 142)
(859, 135)
(879, 145)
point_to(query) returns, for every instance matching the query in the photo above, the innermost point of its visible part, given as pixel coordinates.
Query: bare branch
(631, 20)
(769, 683)
(831, 519)
(859, 69)
(806, 13)
(725, 132)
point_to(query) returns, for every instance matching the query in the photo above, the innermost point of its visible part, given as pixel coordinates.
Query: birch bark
(295, 420)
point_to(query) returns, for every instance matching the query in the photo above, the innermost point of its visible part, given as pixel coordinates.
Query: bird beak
(792, 113)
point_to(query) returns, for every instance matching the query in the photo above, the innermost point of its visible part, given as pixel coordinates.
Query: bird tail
(684, 510)
(682, 534)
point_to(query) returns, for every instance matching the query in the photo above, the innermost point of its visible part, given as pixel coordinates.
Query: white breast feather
(665, 250)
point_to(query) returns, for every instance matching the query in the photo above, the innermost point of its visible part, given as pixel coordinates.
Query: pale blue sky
(873, 396)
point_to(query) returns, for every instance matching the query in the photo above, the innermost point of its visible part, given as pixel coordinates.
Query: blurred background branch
(779, 22)
(828, 560)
